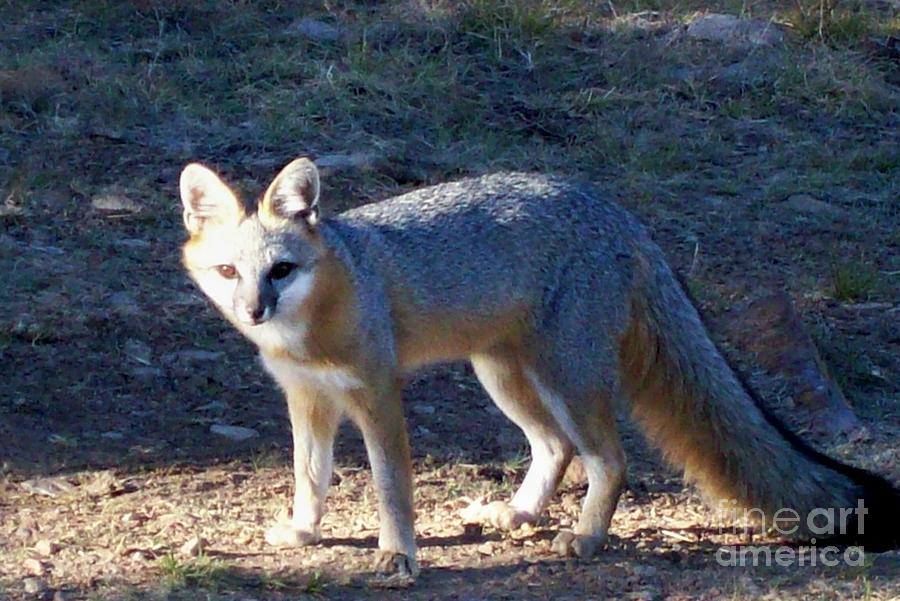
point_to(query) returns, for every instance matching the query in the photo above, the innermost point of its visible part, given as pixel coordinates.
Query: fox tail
(693, 406)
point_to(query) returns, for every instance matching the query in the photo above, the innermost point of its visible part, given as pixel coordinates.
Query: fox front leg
(314, 421)
(379, 415)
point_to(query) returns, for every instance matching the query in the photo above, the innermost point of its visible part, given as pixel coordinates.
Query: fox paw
(498, 514)
(395, 570)
(285, 534)
(582, 546)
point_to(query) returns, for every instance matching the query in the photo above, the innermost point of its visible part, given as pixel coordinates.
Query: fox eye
(227, 271)
(281, 270)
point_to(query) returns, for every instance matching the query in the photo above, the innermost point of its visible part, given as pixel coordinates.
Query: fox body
(563, 305)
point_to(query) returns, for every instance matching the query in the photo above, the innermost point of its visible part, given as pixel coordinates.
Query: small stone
(331, 163)
(318, 31)
(34, 566)
(112, 435)
(33, 586)
(194, 547)
(732, 30)
(115, 201)
(140, 555)
(46, 547)
(235, 433)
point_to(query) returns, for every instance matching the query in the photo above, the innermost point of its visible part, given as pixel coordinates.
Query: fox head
(257, 266)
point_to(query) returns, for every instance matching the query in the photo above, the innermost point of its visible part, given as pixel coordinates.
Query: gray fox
(563, 305)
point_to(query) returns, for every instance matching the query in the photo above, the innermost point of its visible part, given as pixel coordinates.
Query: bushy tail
(693, 406)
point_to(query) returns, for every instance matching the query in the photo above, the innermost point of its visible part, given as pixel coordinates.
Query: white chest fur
(291, 374)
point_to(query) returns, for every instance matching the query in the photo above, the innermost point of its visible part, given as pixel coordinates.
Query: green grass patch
(854, 280)
(838, 22)
(200, 572)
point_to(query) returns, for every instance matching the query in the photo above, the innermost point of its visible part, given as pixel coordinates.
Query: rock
(194, 547)
(734, 31)
(317, 31)
(140, 555)
(34, 566)
(771, 329)
(34, 586)
(805, 203)
(112, 435)
(60, 596)
(115, 201)
(332, 163)
(756, 69)
(46, 547)
(235, 433)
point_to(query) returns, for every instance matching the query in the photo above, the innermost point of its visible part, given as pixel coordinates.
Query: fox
(563, 305)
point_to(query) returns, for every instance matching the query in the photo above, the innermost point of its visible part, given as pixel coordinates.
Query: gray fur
(477, 245)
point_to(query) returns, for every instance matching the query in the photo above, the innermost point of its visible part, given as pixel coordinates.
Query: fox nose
(256, 314)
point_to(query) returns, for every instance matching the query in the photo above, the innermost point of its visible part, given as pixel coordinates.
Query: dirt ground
(758, 168)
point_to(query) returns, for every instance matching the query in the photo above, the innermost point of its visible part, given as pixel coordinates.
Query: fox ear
(294, 194)
(206, 198)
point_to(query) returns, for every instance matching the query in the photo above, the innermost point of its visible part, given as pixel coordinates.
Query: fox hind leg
(502, 374)
(597, 440)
